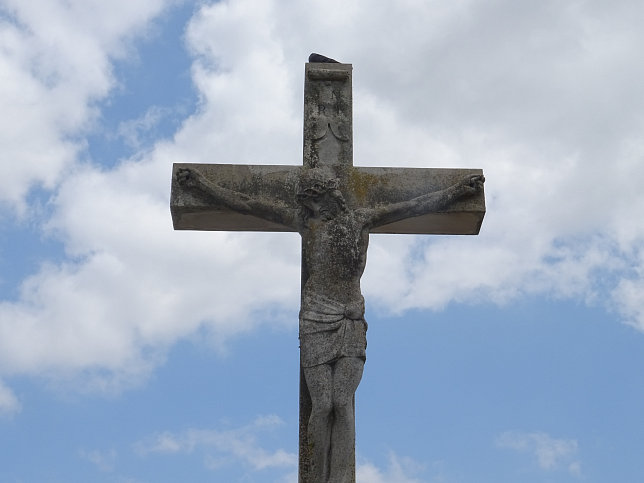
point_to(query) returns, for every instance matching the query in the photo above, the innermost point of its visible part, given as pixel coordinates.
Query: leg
(346, 377)
(319, 380)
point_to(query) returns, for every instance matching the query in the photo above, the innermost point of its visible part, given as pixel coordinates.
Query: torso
(335, 254)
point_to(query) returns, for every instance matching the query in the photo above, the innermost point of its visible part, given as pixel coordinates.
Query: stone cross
(334, 206)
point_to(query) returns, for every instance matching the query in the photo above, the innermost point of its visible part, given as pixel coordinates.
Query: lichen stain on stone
(361, 184)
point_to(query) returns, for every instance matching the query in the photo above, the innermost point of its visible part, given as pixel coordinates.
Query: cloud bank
(544, 97)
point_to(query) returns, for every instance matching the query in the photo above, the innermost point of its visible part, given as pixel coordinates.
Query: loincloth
(330, 330)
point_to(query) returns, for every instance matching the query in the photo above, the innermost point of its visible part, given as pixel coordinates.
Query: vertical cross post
(328, 142)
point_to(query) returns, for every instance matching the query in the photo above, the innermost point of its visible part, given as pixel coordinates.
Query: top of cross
(328, 143)
(328, 114)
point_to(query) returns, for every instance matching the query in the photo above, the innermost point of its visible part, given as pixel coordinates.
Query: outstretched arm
(428, 203)
(273, 211)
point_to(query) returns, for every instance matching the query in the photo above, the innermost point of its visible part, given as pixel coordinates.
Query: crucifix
(334, 206)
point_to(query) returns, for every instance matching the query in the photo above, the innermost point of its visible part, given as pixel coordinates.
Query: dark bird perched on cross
(322, 59)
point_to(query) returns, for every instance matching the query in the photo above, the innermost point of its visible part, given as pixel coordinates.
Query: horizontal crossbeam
(364, 187)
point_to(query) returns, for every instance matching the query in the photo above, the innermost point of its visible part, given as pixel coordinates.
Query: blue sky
(133, 353)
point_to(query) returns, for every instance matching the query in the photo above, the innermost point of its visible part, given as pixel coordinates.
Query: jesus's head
(318, 195)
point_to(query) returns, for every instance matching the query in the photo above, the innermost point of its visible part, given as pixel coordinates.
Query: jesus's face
(321, 205)
(319, 196)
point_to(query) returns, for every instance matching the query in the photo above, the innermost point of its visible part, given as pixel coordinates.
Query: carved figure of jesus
(332, 325)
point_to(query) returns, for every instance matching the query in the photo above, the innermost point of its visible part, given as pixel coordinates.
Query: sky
(133, 353)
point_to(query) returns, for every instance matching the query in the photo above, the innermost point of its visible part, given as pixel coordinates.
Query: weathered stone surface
(192, 210)
(366, 187)
(328, 115)
(334, 207)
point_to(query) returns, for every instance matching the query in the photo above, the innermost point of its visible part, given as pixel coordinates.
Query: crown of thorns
(316, 186)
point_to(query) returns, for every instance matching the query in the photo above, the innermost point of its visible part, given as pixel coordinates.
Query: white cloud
(55, 63)
(398, 470)
(223, 447)
(9, 403)
(138, 286)
(133, 130)
(104, 460)
(551, 453)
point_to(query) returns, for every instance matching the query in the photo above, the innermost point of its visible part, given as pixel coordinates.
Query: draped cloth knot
(330, 330)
